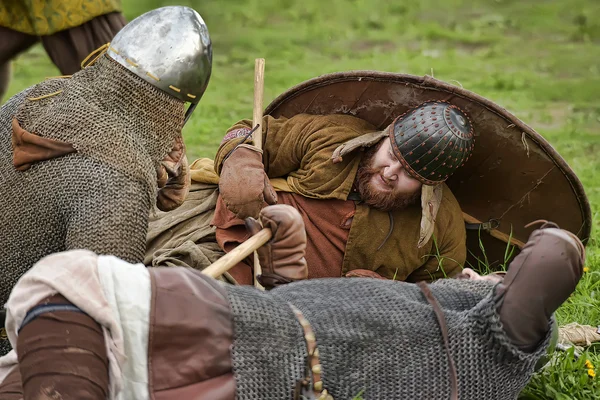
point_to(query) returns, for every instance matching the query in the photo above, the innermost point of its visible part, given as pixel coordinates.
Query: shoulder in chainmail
(377, 337)
(98, 198)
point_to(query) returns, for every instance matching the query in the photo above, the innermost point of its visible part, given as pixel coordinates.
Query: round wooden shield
(514, 176)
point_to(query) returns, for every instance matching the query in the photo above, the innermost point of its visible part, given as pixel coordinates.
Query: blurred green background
(540, 59)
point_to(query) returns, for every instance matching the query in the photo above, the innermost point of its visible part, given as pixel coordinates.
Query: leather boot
(538, 281)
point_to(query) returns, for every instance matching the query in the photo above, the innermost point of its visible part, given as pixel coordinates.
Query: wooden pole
(259, 90)
(236, 255)
(257, 116)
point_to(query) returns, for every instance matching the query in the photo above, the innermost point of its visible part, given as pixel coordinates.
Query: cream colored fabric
(111, 291)
(431, 199)
(581, 335)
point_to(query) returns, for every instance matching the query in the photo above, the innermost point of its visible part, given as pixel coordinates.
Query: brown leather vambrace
(62, 354)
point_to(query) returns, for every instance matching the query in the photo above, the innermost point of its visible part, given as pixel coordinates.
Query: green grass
(540, 59)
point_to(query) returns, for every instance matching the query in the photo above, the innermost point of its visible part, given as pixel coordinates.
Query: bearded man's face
(383, 183)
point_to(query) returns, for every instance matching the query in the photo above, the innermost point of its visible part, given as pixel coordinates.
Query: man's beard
(370, 195)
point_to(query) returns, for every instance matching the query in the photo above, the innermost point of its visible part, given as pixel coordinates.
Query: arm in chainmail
(108, 214)
(291, 144)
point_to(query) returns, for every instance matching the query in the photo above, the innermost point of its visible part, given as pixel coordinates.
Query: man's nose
(392, 172)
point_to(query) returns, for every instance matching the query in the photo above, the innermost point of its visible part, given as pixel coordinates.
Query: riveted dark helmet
(432, 141)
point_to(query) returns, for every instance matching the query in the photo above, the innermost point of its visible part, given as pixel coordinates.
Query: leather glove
(173, 178)
(282, 258)
(243, 183)
(363, 273)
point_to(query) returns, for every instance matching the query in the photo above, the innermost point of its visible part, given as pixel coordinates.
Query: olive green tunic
(45, 17)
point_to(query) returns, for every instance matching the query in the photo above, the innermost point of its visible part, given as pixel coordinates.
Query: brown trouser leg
(4, 79)
(62, 355)
(12, 43)
(538, 281)
(68, 48)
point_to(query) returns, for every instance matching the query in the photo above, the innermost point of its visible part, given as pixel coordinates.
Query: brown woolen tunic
(299, 149)
(327, 223)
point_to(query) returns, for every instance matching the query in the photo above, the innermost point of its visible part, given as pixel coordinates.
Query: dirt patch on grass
(470, 47)
(553, 116)
(368, 45)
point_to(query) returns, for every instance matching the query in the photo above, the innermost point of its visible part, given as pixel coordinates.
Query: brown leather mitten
(173, 178)
(363, 273)
(538, 281)
(243, 183)
(282, 258)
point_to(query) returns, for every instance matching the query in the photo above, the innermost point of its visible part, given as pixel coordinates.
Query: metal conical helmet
(432, 141)
(169, 48)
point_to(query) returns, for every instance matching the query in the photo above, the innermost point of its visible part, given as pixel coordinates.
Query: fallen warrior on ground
(98, 327)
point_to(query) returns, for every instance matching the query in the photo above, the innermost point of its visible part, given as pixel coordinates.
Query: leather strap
(437, 309)
(485, 226)
(313, 364)
(47, 308)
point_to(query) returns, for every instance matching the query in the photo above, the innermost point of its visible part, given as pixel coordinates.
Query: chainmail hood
(105, 107)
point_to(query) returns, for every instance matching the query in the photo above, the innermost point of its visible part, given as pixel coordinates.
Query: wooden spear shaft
(236, 255)
(257, 115)
(259, 90)
(230, 259)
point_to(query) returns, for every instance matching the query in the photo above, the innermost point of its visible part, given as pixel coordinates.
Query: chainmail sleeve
(106, 213)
